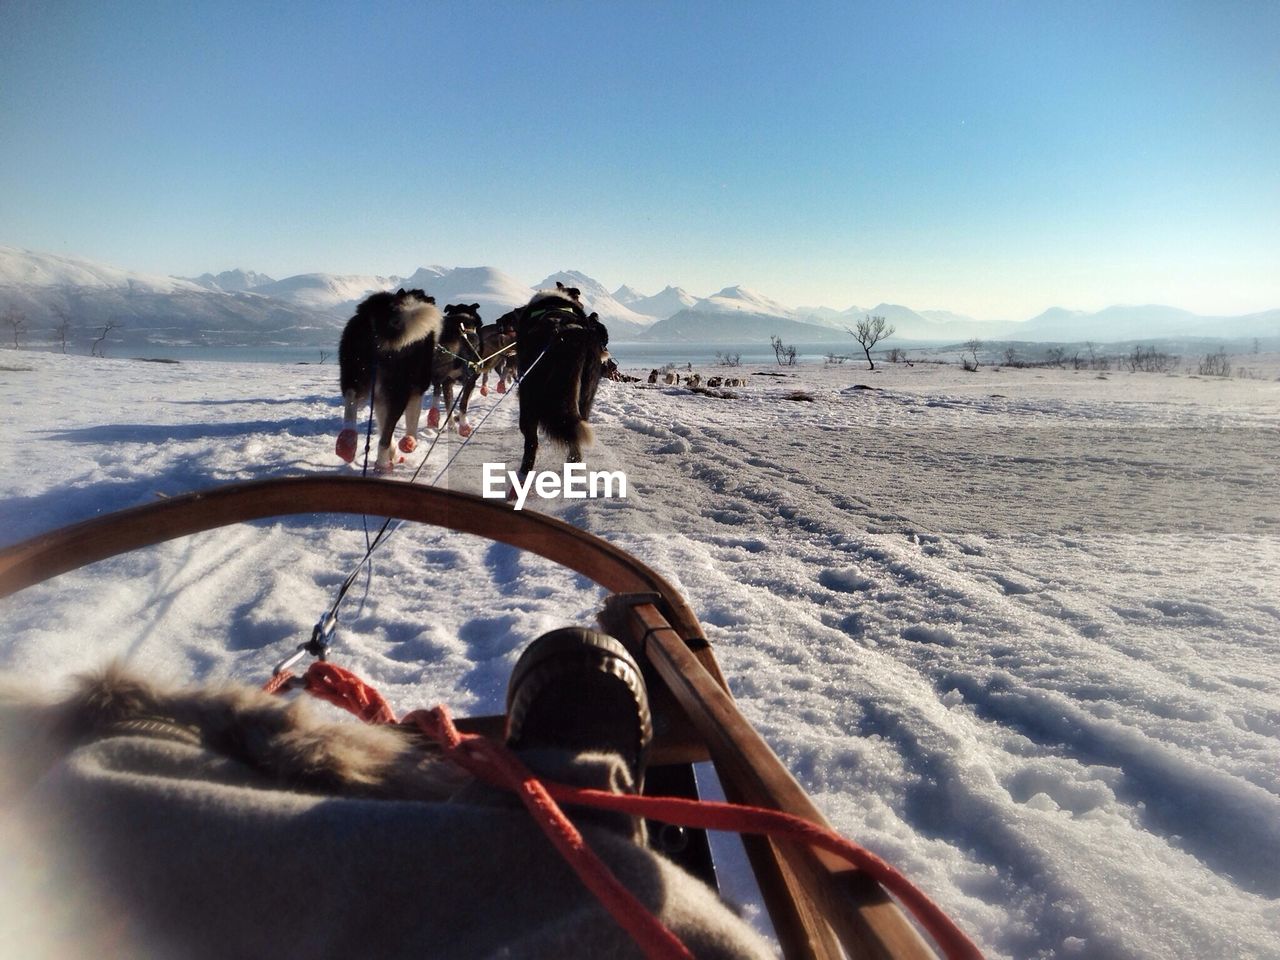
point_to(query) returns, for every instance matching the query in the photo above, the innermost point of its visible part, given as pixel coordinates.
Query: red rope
(278, 682)
(340, 687)
(498, 766)
(735, 818)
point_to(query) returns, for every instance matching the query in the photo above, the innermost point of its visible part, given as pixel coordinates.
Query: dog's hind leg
(348, 439)
(468, 385)
(351, 398)
(433, 415)
(448, 403)
(389, 408)
(412, 414)
(529, 428)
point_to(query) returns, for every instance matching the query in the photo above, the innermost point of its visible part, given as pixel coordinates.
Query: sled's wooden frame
(816, 902)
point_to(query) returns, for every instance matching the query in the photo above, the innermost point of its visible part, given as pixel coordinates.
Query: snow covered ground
(1018, 631)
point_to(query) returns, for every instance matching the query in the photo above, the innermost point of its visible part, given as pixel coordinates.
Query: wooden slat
(802, 932)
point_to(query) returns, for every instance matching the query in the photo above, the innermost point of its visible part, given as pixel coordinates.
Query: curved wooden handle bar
(47, 555)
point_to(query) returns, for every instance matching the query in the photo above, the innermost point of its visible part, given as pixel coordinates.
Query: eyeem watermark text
(573, 482)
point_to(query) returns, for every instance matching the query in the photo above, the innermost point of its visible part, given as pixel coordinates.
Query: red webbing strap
(498, 766)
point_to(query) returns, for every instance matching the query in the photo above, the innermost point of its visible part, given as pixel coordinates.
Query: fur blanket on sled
(222, 822)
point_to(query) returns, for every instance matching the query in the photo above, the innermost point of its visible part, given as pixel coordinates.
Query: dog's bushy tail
(570, 430)
(565, 422)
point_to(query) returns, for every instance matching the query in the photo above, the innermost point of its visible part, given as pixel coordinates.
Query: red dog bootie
(433, 418)
(345, 448)
(408, 444)
(502, 386)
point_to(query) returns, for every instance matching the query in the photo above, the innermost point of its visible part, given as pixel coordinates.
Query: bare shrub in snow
(784, 353)
(96, 349)
(16, 320)
(1150, 360)
(870, 331)
(63, 329)
(1215, 364)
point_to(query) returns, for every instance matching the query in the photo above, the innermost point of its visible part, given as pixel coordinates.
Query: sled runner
(820, 905)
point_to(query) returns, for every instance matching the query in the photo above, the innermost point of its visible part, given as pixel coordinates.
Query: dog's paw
(382, 469)
(408, 444)
(345, 448)
(433, 418)
(484, 391)
(502, 386)
(464, 429)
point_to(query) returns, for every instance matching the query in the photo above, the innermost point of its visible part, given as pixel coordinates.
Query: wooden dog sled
(820, 906)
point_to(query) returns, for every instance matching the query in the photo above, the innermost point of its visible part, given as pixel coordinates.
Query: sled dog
(556, 391)
(458, 346)
(497, 355)
(385, 357)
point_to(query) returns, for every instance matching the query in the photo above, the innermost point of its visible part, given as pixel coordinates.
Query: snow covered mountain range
(246, 308)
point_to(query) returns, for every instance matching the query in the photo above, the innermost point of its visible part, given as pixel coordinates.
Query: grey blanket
(176, 824)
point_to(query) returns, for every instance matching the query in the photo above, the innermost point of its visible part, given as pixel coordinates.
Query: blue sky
(990, 158)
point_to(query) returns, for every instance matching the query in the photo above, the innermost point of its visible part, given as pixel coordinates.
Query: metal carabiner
(322, 635)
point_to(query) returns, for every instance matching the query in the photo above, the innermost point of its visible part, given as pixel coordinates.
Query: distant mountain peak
(232, 281)
(661, 305)
(618, 317)
(593, 289)
(423, 277)
(744, 298)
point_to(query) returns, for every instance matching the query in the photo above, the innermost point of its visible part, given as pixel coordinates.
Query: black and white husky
(561, 352)
(457, 349)
(497, 355)
(385, 357)
(504, 366)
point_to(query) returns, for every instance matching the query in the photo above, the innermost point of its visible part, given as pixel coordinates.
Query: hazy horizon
(394, 277)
